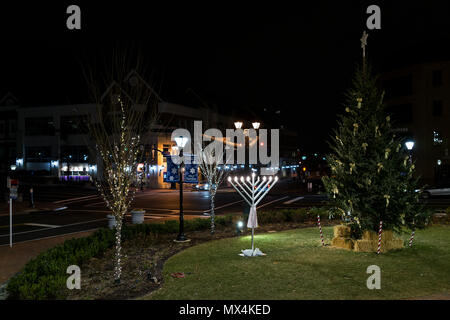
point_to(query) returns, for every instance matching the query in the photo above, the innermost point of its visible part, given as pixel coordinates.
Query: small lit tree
(125, 112)
(210, 168)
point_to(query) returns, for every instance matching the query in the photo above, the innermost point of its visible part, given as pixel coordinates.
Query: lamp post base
(181, 238)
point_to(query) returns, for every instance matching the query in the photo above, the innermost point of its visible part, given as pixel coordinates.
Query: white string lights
(252, 191)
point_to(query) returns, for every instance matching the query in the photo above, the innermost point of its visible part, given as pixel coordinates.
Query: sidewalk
(12, 260)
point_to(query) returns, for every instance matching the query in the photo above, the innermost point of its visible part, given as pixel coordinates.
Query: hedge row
(293, 215)
(45, 276)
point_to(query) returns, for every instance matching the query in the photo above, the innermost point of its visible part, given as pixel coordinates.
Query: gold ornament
(347, 109)
(387, 197)
(405, 161)
(380, 166)
(355, 128)
(359, 102)
(386, 154)
(352, 167)
(365, 145)
(388, 118)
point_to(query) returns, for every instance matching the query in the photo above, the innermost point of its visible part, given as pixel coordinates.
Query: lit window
(437, 138)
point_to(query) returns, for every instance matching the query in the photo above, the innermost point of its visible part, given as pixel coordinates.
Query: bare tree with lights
(210, 168)
(125, 113)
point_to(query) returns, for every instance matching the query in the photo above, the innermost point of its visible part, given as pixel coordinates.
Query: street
(82, 209)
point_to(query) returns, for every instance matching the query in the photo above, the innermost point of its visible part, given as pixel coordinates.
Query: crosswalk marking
(293, 200)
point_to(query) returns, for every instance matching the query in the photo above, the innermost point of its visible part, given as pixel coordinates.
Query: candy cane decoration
(320, 229)
(252, 191)
(379, 237)
(411, 239)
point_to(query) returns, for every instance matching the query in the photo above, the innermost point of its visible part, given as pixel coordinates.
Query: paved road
(83, 209)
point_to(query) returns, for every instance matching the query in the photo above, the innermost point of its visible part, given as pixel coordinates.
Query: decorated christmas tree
(372, 177)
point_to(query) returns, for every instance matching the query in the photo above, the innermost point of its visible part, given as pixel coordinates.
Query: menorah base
(251, 253)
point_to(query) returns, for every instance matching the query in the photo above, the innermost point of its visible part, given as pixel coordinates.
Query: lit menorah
(252, 191)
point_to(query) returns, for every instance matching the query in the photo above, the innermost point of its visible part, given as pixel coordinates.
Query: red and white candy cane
(320, 229)
(411, 239)
(379, 237)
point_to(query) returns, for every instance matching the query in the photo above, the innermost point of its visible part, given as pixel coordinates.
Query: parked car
(202, 187)
(438, 191)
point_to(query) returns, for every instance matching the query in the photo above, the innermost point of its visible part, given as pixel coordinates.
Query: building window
(75, 154)
(437, 108)
(39, 126)
(437, 138)
(37, 154)
(73, 124)
(437, 78)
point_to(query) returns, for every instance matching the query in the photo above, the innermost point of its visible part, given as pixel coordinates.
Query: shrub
(45, 276)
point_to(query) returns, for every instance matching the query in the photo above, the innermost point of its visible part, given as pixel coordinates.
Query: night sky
(297, 59)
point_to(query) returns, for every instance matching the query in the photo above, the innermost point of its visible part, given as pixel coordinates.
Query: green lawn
(297, 267)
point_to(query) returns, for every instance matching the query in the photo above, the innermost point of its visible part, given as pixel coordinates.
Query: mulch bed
(143, 260)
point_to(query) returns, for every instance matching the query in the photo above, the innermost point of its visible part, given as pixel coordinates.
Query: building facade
(47, 141)
(418, 97)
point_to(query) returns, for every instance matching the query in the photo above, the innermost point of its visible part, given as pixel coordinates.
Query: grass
(297, 267)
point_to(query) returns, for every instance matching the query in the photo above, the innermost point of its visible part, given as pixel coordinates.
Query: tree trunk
(213, 227)
(118, 262)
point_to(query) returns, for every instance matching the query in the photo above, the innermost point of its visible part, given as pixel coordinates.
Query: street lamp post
(181, 142)
(409, 145)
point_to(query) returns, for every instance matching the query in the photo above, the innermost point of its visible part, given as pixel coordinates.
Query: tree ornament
(352, 167)
(335, 190)
(355, 128)
(387, 197)
(386, 154)
(359, 102)
(380, 166)
(405, 161)
(364, 145)
(350, 203)
(388, 118)
(347, 109)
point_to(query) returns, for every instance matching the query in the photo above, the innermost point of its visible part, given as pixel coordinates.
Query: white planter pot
(137, 216)
(111, 221)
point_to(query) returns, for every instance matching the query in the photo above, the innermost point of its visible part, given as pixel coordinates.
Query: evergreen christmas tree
(372, 177)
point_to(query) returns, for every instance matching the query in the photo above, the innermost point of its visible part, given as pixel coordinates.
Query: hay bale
(341, 242)
(393, 244)
(366, 245)
(386, 235)
(341, 231)
(372, 245)
(369, 235)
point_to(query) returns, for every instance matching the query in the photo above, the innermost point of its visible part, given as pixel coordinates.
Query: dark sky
(295, 58)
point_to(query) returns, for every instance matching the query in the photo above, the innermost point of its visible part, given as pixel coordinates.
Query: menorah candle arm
(243, 197)
(261, 191)
(271, 186)
(248, 188)
(243, 190)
